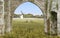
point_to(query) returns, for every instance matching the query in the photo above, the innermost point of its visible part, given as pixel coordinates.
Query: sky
(28, 8)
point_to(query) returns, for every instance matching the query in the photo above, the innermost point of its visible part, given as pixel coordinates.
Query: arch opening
(33, 9)
(30, 19)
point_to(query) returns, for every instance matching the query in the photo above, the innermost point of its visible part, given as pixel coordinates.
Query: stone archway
(15, 3)
(45, 5)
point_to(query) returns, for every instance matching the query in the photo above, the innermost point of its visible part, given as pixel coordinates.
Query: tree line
(28, 16)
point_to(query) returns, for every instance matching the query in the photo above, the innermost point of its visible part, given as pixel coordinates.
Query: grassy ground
(27, 29)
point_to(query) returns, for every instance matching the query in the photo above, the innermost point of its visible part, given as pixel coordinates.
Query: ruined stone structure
(50, 9)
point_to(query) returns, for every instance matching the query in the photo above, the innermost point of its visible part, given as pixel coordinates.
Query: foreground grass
(27, 29)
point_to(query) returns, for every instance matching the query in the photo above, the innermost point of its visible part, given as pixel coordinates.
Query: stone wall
(45, 5)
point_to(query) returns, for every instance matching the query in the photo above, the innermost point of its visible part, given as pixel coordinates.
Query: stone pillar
(7, 16)
(2, 26)
(58, 19)
(47, 17)
(58, 23)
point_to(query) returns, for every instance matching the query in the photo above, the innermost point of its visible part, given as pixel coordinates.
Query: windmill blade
(22, 13)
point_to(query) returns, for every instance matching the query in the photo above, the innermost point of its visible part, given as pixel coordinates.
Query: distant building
(21, 15)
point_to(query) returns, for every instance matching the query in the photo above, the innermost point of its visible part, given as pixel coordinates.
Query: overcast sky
(28, 7)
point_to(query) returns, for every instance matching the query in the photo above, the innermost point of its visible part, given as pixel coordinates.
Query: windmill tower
(21, 16)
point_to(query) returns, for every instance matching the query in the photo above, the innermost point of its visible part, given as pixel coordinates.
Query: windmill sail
(22, 13)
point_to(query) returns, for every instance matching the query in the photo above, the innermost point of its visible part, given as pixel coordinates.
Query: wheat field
(27, 29)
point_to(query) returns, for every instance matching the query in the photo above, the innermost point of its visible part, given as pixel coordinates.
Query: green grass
(25, 29)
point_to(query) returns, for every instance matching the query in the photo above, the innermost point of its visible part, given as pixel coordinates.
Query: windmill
(21, 16)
